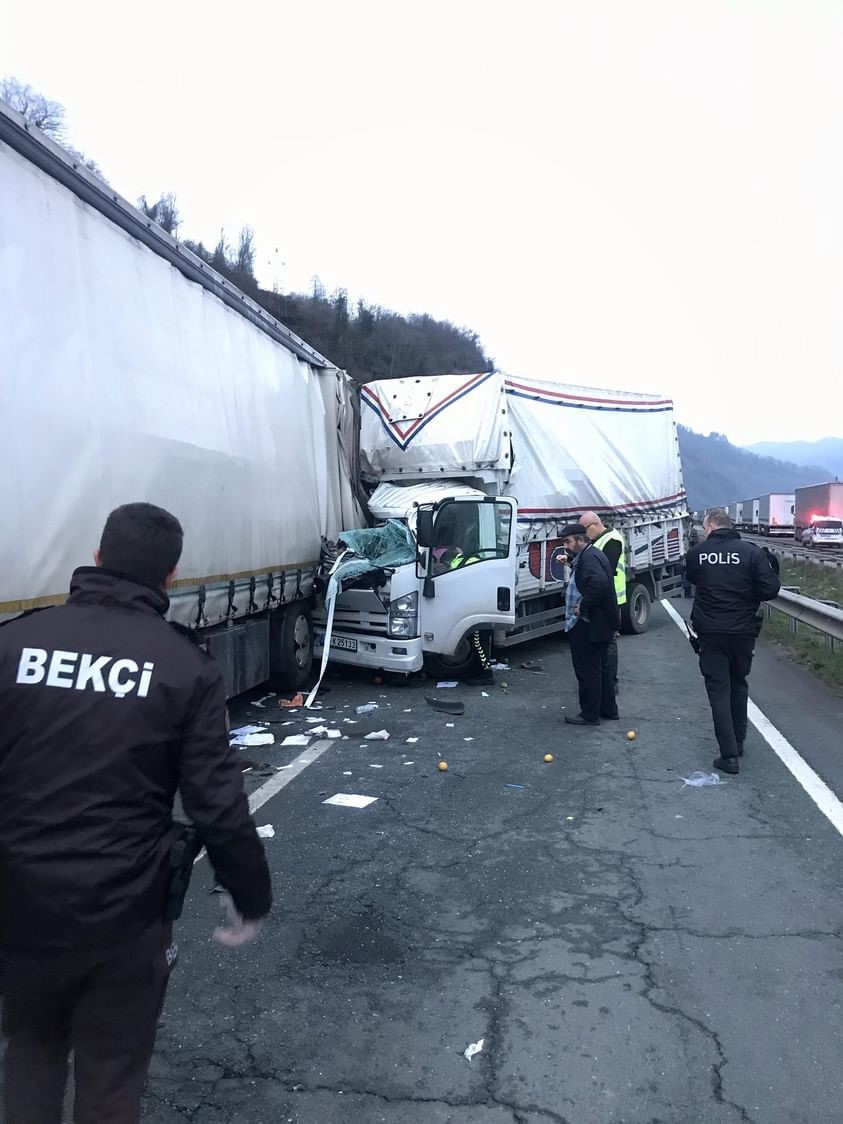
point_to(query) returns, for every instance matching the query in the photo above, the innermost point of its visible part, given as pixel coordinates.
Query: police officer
(732, 577)
(106, 711)
(612, 545)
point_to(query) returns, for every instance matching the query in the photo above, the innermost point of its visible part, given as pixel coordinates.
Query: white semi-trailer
(130, 370)
(775, 514)
(497, 466)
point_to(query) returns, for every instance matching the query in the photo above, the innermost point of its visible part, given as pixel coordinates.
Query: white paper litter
(267, 831)
(366, 708)
(412, 741)
(350, 721)
(378, 736)
(265, 738)
(445, 684)
(241, 731)
(371, 766)
(485, 694)
(450, 725)
(297, 739)
(468, 739)
(324, 732)
(473, 1048)
(347, 774)
(408, 710)
(350, 800)
(408, 762)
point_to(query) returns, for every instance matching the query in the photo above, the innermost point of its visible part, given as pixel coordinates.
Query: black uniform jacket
(105, 712)
(595, 582)
(732, 577)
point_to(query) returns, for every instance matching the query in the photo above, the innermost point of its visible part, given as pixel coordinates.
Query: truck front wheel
(461, 663)
(635, 614)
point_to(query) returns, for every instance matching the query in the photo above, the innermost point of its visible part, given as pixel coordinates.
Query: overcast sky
(639, 195)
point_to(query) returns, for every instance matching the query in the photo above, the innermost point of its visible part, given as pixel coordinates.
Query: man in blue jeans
(591, 621)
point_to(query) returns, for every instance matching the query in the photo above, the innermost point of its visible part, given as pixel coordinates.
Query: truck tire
(635, 614)
(461, 663)
(294, 654)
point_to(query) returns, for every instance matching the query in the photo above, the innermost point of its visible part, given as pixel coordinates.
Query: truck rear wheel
(293, 655)
(635, 614)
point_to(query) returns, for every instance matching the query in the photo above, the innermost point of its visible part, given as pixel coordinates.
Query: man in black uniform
(591, 621)
(732, 577)
(105, 712)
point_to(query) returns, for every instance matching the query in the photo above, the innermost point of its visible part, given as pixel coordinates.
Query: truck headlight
(404, 616)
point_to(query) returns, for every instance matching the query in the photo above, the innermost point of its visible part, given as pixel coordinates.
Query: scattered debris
(323, 731)
(241, 731)
(450, 725)
(446, 684)
(378, 736)
(442, 766)
(701, 780)
(267, 831)
(296, 739)
(445, 706)
(468, 739)
(296, 700)
(473, 1048)
(366, 708)
(412, 741)
(532, 665)
(548, 757)
(371, 766)
(408, 762)
(513, 786)
(408, 710)
(500, 667)
(347, 773)
(263, 738)
(484, 694)
(350, 800)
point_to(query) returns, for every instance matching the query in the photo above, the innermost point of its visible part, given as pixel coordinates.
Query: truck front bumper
(380, 653)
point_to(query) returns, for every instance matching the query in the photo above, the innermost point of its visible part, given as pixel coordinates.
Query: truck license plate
(341, 642)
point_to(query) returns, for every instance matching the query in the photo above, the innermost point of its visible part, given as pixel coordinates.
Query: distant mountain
(828, 451)
(717, 472)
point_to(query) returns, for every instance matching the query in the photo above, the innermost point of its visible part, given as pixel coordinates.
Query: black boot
(727, 765)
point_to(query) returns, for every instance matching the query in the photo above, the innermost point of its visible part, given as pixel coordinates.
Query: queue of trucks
(812, 515)
(131, 370)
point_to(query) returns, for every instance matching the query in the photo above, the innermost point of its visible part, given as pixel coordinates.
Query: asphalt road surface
(628, 948)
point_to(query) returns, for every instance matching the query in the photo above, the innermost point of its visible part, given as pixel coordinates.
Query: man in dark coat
(106, 711)
(591, 621)
(732, 578)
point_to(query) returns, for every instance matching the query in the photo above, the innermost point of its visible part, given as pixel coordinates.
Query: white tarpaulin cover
(122, 380)
(391, 501)
(571, 447)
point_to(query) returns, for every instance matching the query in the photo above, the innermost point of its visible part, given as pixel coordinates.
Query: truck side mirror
(424, 526)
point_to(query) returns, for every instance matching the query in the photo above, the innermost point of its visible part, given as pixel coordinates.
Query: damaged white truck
(483, 471)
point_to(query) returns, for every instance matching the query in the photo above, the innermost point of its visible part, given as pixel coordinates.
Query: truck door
(469, 568)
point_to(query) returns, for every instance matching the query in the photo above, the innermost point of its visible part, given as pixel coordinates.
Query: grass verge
(806, 646)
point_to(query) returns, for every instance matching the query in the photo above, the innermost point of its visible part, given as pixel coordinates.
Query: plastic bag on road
(702, 780)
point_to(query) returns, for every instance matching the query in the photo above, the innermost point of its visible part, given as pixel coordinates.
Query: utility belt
(186, 847)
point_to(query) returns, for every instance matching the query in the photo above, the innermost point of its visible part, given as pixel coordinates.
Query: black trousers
(725, 662)
(613, 661)
(104, 1005)
(594, 674)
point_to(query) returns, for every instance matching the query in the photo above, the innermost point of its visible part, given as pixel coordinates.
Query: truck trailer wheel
(293, 655)
(635, 614)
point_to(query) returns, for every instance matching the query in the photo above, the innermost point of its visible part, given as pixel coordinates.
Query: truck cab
(461, 578)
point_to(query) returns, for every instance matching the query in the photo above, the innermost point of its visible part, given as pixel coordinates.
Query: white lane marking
(815, 786)
(274, 785)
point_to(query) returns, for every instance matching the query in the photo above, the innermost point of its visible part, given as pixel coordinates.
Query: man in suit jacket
(591, 620)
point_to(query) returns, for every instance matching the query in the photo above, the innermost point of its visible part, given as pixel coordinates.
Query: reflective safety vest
(620, 572)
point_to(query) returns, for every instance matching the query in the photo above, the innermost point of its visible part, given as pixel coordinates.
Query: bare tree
(164, 211)
(42, 112)
(245, 260)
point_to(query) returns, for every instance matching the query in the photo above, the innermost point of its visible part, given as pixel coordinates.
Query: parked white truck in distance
(775, 514)
(819, 514)
(497, 466)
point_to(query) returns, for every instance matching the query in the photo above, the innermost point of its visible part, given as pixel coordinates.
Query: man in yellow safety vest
(612, 545)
